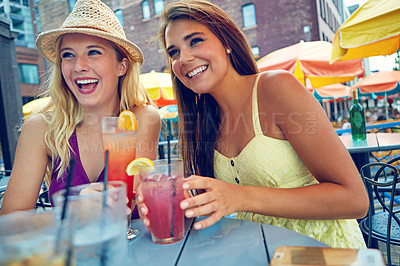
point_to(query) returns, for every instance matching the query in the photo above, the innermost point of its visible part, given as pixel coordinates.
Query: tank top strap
(254, 109)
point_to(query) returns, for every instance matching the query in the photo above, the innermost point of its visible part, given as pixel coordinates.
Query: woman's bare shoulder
(35, 123)
(146, 110)
(147, 114)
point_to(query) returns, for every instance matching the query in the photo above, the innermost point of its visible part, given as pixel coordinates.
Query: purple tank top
(79, 176)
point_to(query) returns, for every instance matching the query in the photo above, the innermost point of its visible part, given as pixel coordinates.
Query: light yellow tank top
(270, 162)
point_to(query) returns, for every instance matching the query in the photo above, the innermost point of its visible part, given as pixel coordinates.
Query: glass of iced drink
(162, 192)
(98, 222)
(121, 146)
(33, 239)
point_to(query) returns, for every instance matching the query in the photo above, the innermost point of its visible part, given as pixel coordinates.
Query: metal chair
(43, 200)
(383, 156)
(383, 225)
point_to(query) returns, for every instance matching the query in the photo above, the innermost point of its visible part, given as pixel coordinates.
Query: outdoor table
(359, 151)
(228, 242)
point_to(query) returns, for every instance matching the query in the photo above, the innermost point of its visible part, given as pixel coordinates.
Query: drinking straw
(103, 257)
(105, 178)
(169, 154)
(67, 186)
(64, 209)
(173, 187)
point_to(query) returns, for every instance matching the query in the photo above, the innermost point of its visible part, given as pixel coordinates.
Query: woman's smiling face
(198, 57)
(90, 68)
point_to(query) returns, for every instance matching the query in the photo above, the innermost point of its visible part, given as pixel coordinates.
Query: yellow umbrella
(373, 29)
(34, 104)
(159, 87)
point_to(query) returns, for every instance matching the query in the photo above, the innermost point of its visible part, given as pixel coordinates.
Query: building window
(256, 51)
(37, 21)
(158, 6)
(71, 4)
(120, 16)
(28, 74)
(146, 9)
(249, 15)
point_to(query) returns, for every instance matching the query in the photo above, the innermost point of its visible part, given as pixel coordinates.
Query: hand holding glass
(162, 191)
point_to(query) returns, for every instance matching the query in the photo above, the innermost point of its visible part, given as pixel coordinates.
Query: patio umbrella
(34, 104)
(159, 87)
(381, 84)
(310, 60)
(332, 93)
(373, 29)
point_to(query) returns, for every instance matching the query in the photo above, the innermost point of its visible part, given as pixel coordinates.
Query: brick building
(268, 25)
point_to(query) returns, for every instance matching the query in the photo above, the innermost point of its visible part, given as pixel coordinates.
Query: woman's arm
(340, 194)
(149, 126)
(29, 168)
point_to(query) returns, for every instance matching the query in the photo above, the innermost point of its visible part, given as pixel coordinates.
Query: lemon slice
(133, 167)
(127, 120)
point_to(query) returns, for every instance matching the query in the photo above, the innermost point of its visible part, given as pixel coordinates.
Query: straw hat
(91, 17)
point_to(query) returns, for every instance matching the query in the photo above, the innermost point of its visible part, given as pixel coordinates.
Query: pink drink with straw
(163, 194)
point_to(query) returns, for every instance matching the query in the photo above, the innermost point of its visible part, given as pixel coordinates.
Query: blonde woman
(95, 74)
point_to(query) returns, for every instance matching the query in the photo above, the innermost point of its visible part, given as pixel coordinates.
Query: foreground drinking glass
(98, 222)
(29, 238)
(121, 146)
(162, 192)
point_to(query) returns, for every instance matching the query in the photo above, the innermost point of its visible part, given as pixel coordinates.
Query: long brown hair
(199, 116)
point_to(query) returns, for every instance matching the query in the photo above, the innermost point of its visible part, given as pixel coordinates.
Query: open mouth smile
(196, 71)
(87, 85)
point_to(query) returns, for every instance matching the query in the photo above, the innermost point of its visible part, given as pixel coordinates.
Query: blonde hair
(63, 112)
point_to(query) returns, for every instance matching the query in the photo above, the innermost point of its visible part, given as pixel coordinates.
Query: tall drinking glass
(98, 222)
(121, 146)
(35, 239)
(163, 193)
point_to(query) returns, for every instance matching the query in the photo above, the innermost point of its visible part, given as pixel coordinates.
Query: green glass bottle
(357, 119)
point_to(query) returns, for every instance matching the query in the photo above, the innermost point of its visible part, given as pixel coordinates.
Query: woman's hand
(98, 188)
(142, 208)
(218, 200)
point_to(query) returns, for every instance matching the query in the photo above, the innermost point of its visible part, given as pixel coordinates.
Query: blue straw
(64, 211)
(67, 186)
(105, 178)
(103, 256)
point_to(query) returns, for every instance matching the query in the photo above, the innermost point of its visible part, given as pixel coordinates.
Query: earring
(228, 51)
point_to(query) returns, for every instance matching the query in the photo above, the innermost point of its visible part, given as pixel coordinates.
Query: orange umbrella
(334, 91)
(159, 87)
(379, 83)
(310, 60)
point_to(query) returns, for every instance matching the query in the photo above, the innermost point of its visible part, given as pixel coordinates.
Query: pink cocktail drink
(162, 195)
(162, 198)
(121, 146)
